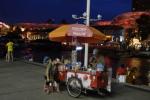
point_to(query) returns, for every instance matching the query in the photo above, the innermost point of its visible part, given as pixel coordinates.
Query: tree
(143, 24)
(50, 21)
(64, 21)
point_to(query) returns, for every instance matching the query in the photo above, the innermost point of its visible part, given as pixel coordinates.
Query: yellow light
(22, 29)
(64, 43)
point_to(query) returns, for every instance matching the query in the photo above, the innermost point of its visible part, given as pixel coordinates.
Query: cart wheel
(74, 87)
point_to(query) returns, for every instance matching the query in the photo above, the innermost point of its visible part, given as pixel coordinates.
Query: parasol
(80, 32)
(76, 33)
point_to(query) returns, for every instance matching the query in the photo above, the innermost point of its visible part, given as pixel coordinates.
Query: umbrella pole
(74, 52)
(87, 24)
(86, 55)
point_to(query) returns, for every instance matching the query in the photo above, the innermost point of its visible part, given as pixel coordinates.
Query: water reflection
(135, 62)
(139, 70)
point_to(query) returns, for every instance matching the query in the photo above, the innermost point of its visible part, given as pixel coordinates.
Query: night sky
(15, 11)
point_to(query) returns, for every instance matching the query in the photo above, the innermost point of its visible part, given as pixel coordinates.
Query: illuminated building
(35, 31)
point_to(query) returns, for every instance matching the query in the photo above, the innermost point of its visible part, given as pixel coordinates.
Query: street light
(99, 17)
(86, 17)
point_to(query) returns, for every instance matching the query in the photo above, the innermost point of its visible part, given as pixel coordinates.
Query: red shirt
(121, 71)
(107, 62)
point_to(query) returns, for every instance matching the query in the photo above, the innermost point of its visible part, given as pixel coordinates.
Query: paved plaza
(24, 81)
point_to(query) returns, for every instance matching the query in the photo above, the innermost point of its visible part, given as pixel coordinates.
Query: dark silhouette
(144, 26)
(50, 21)
(63, 21)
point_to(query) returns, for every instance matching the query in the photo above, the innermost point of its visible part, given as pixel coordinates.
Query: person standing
(121, 74)
(49, 77)
(100, 66)
(56, 64)
(9, 54)
(108, 65)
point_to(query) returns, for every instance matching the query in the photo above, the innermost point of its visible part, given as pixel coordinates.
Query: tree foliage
(143, 24)
(63, 21)
(50, 21)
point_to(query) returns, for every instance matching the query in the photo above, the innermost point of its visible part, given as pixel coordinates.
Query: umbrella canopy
(80, 32)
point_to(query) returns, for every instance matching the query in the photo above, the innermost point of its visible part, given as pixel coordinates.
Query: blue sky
(15, 11)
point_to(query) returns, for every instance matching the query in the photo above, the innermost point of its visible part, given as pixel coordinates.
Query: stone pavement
(24, 81)
(141, 87)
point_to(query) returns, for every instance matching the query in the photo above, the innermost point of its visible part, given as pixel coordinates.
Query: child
(48, 86)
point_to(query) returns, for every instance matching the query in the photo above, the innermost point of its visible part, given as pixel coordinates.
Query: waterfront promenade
(24, 81)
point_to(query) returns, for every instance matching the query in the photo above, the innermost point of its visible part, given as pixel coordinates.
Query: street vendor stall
(79, 80)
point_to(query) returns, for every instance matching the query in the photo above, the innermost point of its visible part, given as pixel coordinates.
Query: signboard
(79, 30)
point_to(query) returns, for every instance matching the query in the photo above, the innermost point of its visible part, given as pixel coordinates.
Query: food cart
(78, 80)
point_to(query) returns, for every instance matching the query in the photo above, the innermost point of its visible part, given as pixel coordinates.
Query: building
(4, 28)
(35, 31)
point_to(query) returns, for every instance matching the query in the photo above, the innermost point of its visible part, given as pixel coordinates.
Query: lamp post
(86, 17)
(87, 24)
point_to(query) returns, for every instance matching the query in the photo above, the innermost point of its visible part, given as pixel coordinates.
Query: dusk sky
(16, 11)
